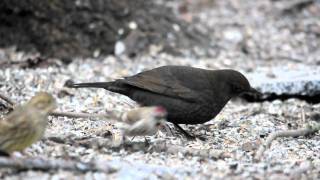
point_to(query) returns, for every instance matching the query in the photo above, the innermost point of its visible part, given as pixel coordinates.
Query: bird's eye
(236, 89)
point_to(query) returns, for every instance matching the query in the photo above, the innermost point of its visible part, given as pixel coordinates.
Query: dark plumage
(190, 95)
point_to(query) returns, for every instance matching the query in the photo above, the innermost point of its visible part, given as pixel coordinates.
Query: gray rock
(282, 83)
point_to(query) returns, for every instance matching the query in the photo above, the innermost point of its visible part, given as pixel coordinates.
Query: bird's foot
(146, 141)
(188, 136)
(133, 138)
(193, 137)
(167, 129)
(202, 138)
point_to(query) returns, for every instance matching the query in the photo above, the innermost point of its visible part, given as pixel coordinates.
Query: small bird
(190, 95)
(26, 124)
(143, 121)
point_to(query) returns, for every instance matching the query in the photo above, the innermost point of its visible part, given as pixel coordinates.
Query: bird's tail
(114, 86)
(104, 85)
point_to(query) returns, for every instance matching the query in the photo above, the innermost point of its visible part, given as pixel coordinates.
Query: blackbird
(190, 95)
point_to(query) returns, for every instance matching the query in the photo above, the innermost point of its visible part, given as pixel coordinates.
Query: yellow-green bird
(26, 124)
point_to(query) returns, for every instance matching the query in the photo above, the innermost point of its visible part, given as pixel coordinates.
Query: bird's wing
(140, 128)
(12, 119)
(17, 118)
(164, 83)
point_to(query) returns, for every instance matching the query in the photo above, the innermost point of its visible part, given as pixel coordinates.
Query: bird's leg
(133, 138)
(167, 129)
(189, 136)
(146, 141)
(124, 139)
(170, 130)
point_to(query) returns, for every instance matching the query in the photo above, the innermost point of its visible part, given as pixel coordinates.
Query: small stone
(176, 27)
(133, 25)
(233, 165)
(120, 31)
(233, 35)
(249, 146)
(119, 48)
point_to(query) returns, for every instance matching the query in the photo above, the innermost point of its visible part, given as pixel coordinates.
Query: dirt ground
(247, 36)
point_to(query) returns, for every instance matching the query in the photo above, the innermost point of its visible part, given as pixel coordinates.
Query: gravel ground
(247, 36)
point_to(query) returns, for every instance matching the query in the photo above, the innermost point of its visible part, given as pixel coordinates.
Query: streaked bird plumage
(26, 124)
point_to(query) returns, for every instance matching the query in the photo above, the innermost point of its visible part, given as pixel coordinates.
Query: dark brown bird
(190, 95)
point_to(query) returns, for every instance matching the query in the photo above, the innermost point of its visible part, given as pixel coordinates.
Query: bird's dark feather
(172, 81)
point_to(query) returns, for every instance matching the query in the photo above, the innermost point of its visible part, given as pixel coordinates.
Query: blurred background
(259, 33)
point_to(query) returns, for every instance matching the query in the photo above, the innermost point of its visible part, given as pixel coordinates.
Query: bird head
(160, 114)
(43, 101)
(238, 84)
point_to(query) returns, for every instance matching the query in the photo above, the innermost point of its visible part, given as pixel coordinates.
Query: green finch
(26, 124)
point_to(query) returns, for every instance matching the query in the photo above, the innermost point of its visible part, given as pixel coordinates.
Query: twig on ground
(185, 151)
(287, 133)
(290, 7)
(84, 115)
(158, 146)
(31, 62)
(7, 100)
(50, 165)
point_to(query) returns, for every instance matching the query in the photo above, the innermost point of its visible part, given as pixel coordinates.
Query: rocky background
(275, 43)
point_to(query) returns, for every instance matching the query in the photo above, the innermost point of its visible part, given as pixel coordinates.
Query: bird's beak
(254, 92)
